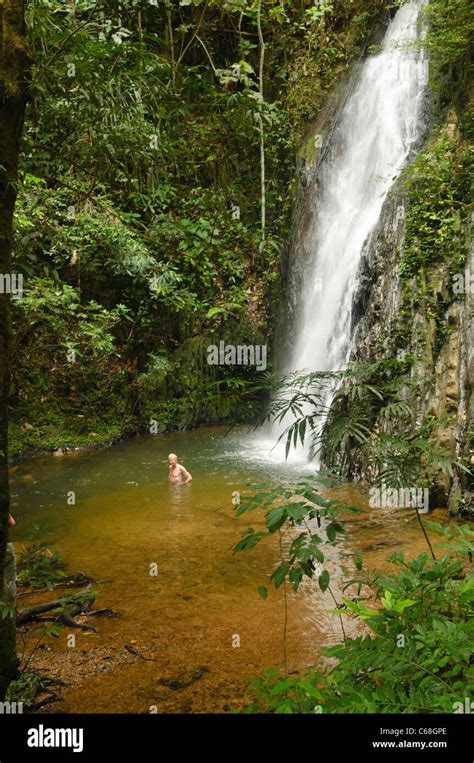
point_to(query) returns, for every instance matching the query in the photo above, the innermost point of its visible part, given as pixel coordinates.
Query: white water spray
(380, 123)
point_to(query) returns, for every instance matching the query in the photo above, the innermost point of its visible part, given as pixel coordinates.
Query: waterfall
(380, 123)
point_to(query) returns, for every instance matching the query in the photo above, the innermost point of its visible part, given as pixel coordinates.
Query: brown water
(199, 620)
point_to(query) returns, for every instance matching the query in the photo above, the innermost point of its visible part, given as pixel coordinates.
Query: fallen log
(67, 619)
(85, 598)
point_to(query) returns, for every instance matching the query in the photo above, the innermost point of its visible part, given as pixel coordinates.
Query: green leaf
(214, 311)
(332, 529)
(279, 575)
(275, 518)
(324, 580)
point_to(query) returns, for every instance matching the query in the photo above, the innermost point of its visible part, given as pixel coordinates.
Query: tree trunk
(263, 201)
(14, 66)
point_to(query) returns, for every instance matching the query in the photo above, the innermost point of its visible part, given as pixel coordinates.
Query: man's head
(172, 459)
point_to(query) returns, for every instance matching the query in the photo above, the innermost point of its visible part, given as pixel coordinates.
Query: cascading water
(379, 125)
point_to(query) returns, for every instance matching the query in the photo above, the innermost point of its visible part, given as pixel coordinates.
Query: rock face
(389, 313)
(442, 378)
(390, 319)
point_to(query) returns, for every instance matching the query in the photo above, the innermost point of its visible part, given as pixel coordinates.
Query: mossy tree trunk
(14, 66)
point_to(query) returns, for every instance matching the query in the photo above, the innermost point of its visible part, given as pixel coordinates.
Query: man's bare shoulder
(184, 473)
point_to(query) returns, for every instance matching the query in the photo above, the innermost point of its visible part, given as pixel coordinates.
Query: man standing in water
(177, 475)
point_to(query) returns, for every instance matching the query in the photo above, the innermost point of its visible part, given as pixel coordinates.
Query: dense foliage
(138, 217)
(139, 236)
(415, 653)
(358, 421)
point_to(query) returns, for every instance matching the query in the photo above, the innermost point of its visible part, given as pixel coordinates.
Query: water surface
(199, 620)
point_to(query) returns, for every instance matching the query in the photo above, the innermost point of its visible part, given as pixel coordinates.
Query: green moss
(450, 25)
(438, 185)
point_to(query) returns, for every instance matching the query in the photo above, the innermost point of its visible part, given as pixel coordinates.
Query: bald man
(177, 474)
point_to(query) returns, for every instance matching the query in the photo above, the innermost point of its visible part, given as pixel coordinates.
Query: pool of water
(199, 621)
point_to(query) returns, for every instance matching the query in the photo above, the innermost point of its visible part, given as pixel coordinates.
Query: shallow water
(200, 619)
